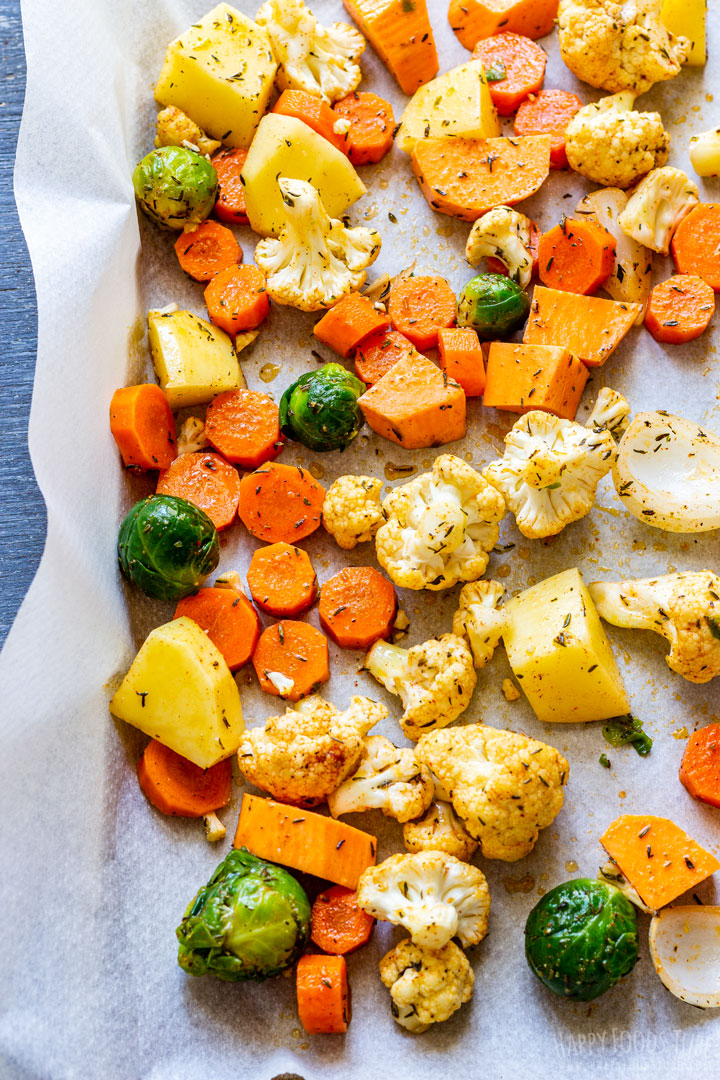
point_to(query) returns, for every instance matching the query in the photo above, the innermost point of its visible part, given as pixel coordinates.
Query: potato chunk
(457, 103)
(687, 18)
(194, 360)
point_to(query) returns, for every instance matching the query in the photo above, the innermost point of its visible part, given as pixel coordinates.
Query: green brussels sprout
(581, 938)
(320, 409)
(493, 305)
(251, 921)
(167, 547)
(175, 186)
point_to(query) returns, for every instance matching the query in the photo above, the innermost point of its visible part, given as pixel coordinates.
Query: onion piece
(685, 949)
(631, 280)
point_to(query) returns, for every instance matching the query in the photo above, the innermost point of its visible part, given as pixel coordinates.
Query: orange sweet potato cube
(348, 323)
(415, 405)
(461, 357)
(525, 377)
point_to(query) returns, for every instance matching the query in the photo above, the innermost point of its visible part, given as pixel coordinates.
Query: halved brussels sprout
(320, 409)
(493, 305)
(175, 186)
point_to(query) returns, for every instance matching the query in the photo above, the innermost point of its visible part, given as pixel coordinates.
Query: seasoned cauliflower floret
(174, 128)
(440, 830)
(388, 778)
(684, 607)
(619, 44)
(191, 436)
(426, 985)
(504, 234)
(505, 787)
(440, 527)
(550, 471)
(320, 60)
(435, 896)
(479, 620)
(610, 413)
(316, 259)
(303, 755)
(611, 144)
(352, 511)
(435, 680)
(657, 206)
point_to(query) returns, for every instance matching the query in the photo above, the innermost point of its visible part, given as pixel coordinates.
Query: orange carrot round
(230, 203)
(280, 502)
(323, 997)
(357, 607)
(379, 352)
(700, 768)
(372, 123)
(244, 426)
(420, 306)
(576, 256)
(494, 266)
(206, 480)
(228, 618)
(313, 111)
(695, 244)
(549, 113)
(236, 299)
(143, 427)
(338, 925)
(177, 787)
(680, 309)
(293, 649)
(514, 68)
(282, 580)
(207, 250)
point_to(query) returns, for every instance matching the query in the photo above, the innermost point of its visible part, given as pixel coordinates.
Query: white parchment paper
(94, 881)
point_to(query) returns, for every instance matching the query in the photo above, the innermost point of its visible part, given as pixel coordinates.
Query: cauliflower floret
(502, 234)
(191, 436)
(426, 985)
(440, 527)
(683, 607)
(705, 153)
(174, 128)
(316, 259)
(619, 44)
(610, 413)
(435, 680)
(611, 144)
(479, 620)
(214, 828)
(320, 60)
(550, 471)
(435, 896)
(388, 778)
(505, 787)
(440, 830)
(352, 511)
(657, 206)
(305, 754)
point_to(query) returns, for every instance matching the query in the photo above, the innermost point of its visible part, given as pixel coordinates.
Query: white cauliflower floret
(388, 778)
(684, 607)
(505, 787)
(550, 471)
(657, 206)
(619, 44)
(214, 828)
(479, 620)
(320, 60)
(435, 680)
(441, 527)
(440, 830)
(302, 756)
(352, 510)
(705, 153)
(191, 436)
(316, 259)
(613, 145)
(435, 896)
(610, 413)
(175, 128)
(504, 234)
(426, 985)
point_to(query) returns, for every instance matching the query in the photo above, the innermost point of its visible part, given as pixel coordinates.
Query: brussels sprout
(493, 305)
(321, 409)
(582, 938)
(167, 547)
(175, 186)
(251, 921)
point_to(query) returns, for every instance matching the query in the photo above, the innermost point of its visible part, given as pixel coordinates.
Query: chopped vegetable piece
(175, 186)
(695, 244)
(628, 731)
(379, 352)
(206, 250)
(244, 426)
(236, 299)
(685, 950)
(591, 328)
(313, 111)
(687, 18)
(193, 359)
(177, 787)
(700, 768)
(206, 480)
(280, 502)
(338, 925)
(229, 620)
(520, 65)
(549, 113)
(420, 306)
(576, 256)
(525, 377)
(680, 309)
(282, 580)
(230, 204)
(291, 660)
(349, 323)
(457, 104)
(415, 405)
(461, 358)
(323, 997)
(493, 305)
(320, 409)
(400, 33)
(475, 19)
(357, 607)
(372, 122)
(143, 427)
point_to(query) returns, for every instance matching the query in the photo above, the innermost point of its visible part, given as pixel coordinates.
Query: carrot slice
(338, 925)
(379, 352)
(313, 111)
(415, 405)
(244, 426)
(357, 607)
(206, 480)
(695, 244)
(177, 787)
(680, 309)
(372, 123)
(229, 620)
(461, 357)
(304, 841)
(549, 113)
(207, 250)
(700, 768)
(296, 651)
(236, 299)
(282, 580)
(280, 502)
(323, 997)
(576, 256)
(143, 427)
(230, 203)
(514, 67)
(475, 19)
(494, 266)
(400, 33)
(349, 323)
(420, 306)
(525, 377)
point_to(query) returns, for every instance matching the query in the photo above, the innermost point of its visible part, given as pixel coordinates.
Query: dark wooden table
(22, 512)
